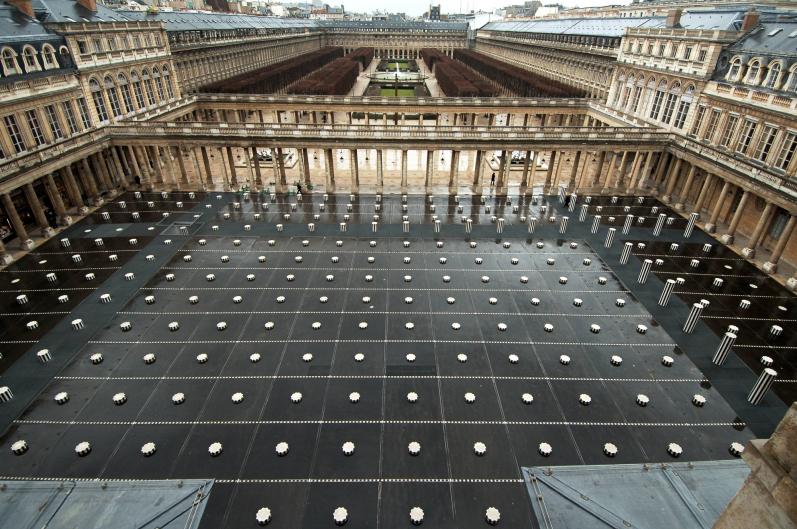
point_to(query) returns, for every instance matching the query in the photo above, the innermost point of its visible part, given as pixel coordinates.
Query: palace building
(274, 208)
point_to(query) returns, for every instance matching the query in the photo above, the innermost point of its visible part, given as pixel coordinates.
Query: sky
(417, 7)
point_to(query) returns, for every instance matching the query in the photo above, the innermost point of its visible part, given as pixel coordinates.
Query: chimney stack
(750, 20)
(673, 18)
(91, 5)
(24, 6)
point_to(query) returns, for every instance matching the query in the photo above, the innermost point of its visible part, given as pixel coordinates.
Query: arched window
(113, 97)
(735, 69)
(657, 99)
(121, 80)
(791, 85)
(683, 107)
(31, 59)
(752, 72)
(773, 76)
(158, 83)
(10, 66)
(49, 58)
(168, 82)
(139, 94)
(99, 100)
(148, 87)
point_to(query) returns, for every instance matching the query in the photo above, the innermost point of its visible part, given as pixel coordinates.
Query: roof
(770, 38)
(14, 26)
(185, 21)
(71, 11)
(395, 24)
(615, 27)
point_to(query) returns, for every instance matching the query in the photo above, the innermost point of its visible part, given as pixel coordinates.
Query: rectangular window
(85, 117)
(765, 142)
(650, 48)
(669, 106)
(786, 152)
(701, 113)
(688, 52)
(82, 47)
(14, 133)
(97, 46)
(748, 129)
(701, 55)
(661, 50)
(635, 102)
(70, 117)
(35, 127)
(712, 124)
(727, 132)
(52, 120)
(680, 116)
(654, 111)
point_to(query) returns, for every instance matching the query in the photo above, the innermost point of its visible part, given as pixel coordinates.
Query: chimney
(750, 20)
(673, 18)
(24, 6)
(91, 5)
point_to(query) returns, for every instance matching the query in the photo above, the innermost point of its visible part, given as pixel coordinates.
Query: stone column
(429, 170)
(767, 498)
(38, 211)
(184, 181)
(771, 266)
(120, 171)
(403, 167)
(727, 238)
(198, 168)
(72, 188)
(173, 180)
(355, 171)
(380, 171)
(711, 225)
(452, 177)
(571, 184)
(621, 173)
(609, 172)
(282, 183)
(760, 227)
(329, 159)
(636, 171)
(502, 163)
(88, 182)
(5, 257)
(57, 201)
(304, 167)
(96, 170)
(527, 162)
(683, 196)
(143, 163)
(133, 162)
(598, 170)
(549, 174)
(24, 241)
(661, 168)
(103, 160)
(477, 173)
(672, 179)
(258, 183)
(701, 197)
(231, 163)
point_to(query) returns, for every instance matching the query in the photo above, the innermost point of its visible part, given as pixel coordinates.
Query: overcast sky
(417, 7)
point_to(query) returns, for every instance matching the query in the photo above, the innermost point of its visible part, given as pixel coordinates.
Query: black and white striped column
(582, 215)
(374, 226)
(693, 318)
(724, 348)
(629, 219)
(437, 226)
(596, 222)
(690, 225)
(666, 292)
(659, 224)
(609, 238)
(563, 224)
(532, 224)
(468, 225)
(762, 385)
(499, 225)
(644, 272)
(561, 195)
(405, 226)
(626, 252)
(573, 199)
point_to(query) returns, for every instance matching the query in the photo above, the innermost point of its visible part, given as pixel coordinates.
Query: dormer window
(735, 70)
(773, 76)
(752, 72)
(48, 55)
(31, 59)
(10, 66)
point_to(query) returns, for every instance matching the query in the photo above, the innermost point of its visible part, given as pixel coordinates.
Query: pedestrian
(298, 188)
(492, 180)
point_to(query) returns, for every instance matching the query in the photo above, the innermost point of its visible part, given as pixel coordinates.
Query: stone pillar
(206, 163)
(549, 175)
(380, 171)
(711, 225)
(661, 168)
(133, 161)
(72, 187)
(621, 173)
(258, 183)
(767, 498)
(282, 183)
(231, 164)
(598, 170)
(88, 182)
(683, 196)
(672, 179)
(429, 170)
(637, 170)
(329, 159)
(771, 266)
(571, 184)
(502, 163)
(57, 201)
(452, 177)
(304, 167)
(120, 171)
(5, 257)
(159, 157)
(105, 170)
(701, 197)
(355, 171)
(143, 163)
(184, 181)
(727, 238)
(198, 168)
(758, 232)
(38, 211)
(477, 173)
(403, 168)
(24, 241)
(527, 162)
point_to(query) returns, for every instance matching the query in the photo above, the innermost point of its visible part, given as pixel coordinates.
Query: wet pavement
(369, 340)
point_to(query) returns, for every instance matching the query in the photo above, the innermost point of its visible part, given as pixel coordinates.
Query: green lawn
(400, 92)
(403, 65)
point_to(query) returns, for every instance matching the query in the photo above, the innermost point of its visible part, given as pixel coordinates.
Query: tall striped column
(690, 225)
(659, 224)
(693, 318)
(374, 226)
(724, 348)
(596, 222)
(644, 272)
(563, 224)
(405, 226)
(762, 385)
(573, 199)
(609, 238)
(499, 225)
(666, 292)
(582, 215)
(629, 219)
(532, 224)
(468, 225)
(561, 195)
(437, 226)
(626, 252)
